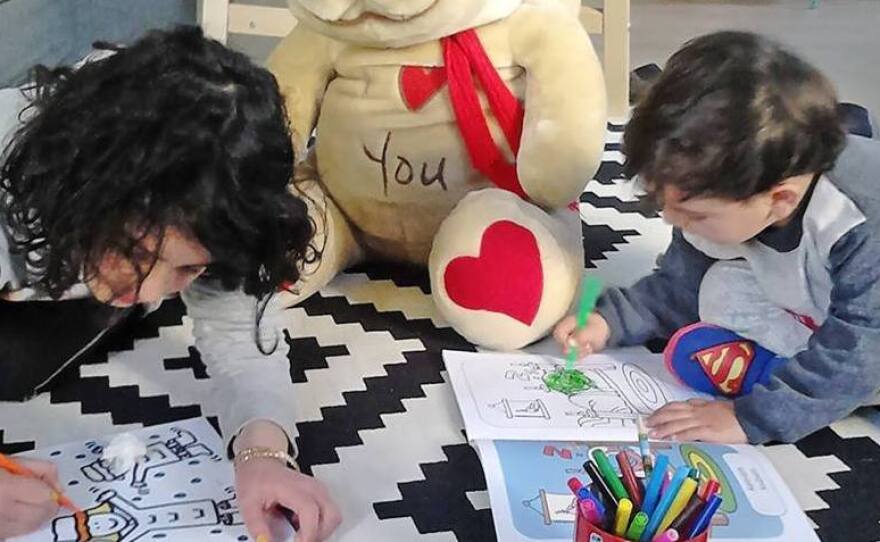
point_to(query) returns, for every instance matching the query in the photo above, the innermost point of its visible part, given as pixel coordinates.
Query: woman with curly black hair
(165, 167)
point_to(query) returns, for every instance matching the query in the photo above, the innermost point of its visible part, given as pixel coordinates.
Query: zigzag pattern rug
(379, 424)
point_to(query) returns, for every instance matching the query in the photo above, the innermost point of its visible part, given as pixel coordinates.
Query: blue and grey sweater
(825, 265)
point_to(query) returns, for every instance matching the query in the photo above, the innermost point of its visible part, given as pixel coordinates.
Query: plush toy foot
(717, 361)
(502, 270)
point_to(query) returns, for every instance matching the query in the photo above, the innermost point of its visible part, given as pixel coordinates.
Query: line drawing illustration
(184, 491)
(116, 519)
(183, 446)
(622, 391)
(522, 409)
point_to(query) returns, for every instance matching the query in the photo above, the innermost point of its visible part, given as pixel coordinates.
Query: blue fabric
(56, 32)
(717, 361)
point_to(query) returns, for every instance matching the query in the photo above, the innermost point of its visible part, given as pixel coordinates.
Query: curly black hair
(732, 115)
(174, 131)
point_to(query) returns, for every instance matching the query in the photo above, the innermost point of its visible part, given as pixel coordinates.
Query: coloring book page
(183, 490)
(531, 501)
(503, 396)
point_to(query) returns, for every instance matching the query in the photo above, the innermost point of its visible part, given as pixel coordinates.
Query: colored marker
(621, 519)
(652, 492)
(574, 485)
(637, 527)
(665, 502)
(687, 490)
(590, 291)
(689, 513)
(599, 483)
(670, 535)
(667, 477)
(712, 487)
(588, 510)
(694, 473)
(596, 500)
(705, 518)
(608, 473)
(629, 478)
(644, 447)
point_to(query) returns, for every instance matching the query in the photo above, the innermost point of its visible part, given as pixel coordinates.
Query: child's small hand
(707, 421)
(591, 339)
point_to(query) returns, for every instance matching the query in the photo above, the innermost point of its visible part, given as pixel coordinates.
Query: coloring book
(531, 440)
(182, 491)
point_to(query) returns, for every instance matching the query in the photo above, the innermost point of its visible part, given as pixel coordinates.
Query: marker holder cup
(584, 531)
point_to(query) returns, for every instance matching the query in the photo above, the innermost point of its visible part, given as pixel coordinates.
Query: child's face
(720, 220)
(181, 260)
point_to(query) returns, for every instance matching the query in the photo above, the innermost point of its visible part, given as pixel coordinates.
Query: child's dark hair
(173, 131)
(732, 115)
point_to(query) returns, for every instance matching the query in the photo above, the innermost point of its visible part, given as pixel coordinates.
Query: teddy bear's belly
(395, 173)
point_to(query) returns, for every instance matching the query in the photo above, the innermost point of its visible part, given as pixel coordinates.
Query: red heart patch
(507, 276)
(419, 83)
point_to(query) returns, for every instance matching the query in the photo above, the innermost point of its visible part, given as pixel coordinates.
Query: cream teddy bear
(454, 134)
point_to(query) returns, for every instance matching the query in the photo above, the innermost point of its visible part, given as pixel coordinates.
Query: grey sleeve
(839, 371)
(661, 303)
(252, 385)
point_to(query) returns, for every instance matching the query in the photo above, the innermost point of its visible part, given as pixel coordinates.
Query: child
(163, 168)
(770, 288)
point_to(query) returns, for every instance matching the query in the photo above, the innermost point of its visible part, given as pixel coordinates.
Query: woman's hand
(264, 484)
(27, 503)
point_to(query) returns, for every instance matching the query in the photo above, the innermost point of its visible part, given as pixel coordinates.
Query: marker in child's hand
(570, 380)
(590, 291)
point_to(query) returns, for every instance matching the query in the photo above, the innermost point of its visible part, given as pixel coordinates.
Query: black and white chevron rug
(379, 424)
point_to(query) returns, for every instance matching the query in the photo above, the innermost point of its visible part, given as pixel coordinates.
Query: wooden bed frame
(221, 17)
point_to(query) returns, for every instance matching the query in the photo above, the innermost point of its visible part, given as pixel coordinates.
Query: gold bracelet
(246, 455)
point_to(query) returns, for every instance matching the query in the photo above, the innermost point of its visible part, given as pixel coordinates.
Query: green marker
(590, 291)
(608, 473)
(569, 380)
(637, 527)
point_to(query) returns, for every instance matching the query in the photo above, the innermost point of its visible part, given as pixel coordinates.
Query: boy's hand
(591, 339)
(27, 503)
(697, 419)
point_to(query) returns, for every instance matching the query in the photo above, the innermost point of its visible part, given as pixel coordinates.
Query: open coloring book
(503, 396)
(183, 491)
(531, 440)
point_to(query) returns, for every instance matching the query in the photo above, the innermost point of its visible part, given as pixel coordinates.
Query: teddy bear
(452, 134)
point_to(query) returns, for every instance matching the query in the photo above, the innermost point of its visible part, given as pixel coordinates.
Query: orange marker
(11, 466)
